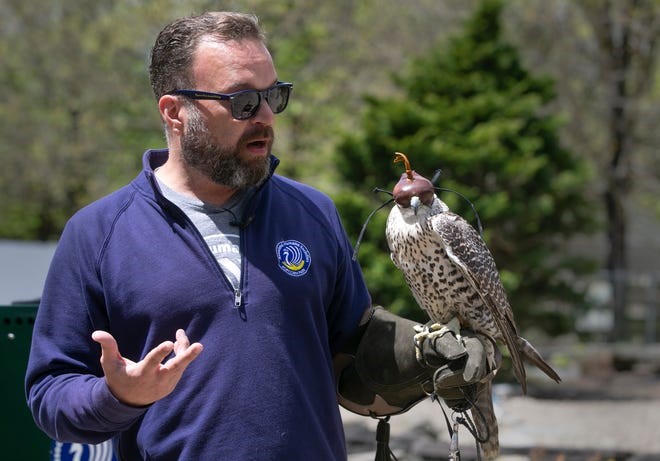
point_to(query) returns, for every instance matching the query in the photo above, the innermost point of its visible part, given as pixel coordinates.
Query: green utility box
(20, 437)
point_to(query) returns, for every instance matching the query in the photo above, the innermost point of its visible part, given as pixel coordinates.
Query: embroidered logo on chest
(293, 257)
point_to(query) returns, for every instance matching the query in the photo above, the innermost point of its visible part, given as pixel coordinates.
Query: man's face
(222, 163)
(230, 152)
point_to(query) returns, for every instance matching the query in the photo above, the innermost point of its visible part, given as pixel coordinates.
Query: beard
(223, 164)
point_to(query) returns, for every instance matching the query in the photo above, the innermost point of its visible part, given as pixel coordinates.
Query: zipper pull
(237, 298)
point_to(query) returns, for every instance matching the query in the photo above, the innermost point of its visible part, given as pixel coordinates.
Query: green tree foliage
(473, 110)
(77, 109)
(76, 104)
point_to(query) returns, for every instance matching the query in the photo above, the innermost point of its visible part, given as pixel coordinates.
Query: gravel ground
(609, 416)
(529, 429)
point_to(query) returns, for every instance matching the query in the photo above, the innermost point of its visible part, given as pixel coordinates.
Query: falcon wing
(467, 250)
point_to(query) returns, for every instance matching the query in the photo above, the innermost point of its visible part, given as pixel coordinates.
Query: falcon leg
(435, 330)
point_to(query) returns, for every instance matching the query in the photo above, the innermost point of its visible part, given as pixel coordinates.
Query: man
(208, 243)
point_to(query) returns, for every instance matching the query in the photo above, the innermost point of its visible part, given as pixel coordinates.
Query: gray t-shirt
(213, 223)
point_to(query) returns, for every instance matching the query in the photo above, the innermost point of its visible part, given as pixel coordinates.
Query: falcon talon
(418, 340)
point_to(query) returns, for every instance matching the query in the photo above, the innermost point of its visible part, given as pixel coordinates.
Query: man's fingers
(105, 339)
(182, 342)
(158, 354)
(184, 351)
(185, 356)
(109, 349)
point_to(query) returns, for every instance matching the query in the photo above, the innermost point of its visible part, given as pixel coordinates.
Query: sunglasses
(245, 103)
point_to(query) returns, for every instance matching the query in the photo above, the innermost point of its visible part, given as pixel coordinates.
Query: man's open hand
(148, 380)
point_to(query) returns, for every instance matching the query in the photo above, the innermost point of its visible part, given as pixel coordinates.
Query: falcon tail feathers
(532, 356)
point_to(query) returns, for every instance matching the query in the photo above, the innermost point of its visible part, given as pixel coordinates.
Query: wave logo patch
(293, 257)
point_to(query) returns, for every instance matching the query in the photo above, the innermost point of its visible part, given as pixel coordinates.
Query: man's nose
(264, 114)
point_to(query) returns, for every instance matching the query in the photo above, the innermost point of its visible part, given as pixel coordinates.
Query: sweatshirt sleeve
(66, 391)
(351, 297)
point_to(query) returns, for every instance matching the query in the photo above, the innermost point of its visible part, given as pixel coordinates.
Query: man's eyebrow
(233, 88)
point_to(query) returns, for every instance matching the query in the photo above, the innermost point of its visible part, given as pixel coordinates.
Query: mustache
(258, 133)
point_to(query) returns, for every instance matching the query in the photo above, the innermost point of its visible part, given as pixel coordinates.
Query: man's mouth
(259, 144)
(259, 141)
(258, 147)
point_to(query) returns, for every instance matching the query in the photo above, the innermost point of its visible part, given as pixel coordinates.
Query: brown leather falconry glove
(384, 372)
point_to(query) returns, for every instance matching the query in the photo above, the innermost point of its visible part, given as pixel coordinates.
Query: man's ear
(170, 111)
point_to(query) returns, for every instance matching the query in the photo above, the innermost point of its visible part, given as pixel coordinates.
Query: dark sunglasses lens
(245, 105)
(278, 98)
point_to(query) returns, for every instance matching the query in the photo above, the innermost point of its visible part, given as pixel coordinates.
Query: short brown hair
(172, 53)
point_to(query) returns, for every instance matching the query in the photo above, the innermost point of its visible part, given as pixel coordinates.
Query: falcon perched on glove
(453, 277)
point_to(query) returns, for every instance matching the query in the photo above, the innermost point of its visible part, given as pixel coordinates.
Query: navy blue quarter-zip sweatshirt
(263, 387)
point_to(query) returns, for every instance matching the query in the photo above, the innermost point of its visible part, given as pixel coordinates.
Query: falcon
(453, 277)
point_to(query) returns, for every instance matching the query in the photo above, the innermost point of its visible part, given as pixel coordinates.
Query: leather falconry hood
(411, 184)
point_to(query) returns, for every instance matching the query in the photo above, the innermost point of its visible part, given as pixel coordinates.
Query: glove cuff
(384, 377)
